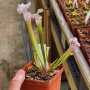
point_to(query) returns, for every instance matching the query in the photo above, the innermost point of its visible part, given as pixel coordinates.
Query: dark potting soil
(34, 74)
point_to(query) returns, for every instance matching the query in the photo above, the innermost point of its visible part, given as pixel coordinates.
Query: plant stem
(34, 42)
(40, 29)
(61, 60)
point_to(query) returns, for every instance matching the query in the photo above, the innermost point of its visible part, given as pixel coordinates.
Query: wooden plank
(41, 4)
(38, 4)
(47, 30)
(47, 27)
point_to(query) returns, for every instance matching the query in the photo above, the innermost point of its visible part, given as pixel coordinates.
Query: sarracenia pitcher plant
(40, 49)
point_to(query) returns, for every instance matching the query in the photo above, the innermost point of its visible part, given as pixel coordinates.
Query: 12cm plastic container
(53, 84)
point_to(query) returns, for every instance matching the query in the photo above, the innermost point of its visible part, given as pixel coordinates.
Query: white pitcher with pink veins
(87, 1)
(75, 3)
(87, 18)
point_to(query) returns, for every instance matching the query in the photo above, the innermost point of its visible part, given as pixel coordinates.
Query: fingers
(17, 81)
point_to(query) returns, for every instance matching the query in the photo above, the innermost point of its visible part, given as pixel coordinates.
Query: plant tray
(53, 84)
(83, 32)
(74, 21)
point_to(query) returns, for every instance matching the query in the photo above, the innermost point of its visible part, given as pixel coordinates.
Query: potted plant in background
(77, 15)
(76, 12)
(40, 74)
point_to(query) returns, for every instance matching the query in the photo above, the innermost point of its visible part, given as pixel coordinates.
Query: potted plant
(76, 12)
(40, 74)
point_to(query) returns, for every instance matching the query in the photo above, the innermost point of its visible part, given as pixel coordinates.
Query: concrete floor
(11, 43)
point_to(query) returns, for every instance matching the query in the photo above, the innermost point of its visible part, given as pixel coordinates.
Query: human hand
(16, 82)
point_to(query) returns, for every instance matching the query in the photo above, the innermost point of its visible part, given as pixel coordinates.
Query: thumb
(16, 82)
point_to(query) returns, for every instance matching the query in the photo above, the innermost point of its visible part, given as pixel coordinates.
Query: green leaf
(34, 43)
(61, 60)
